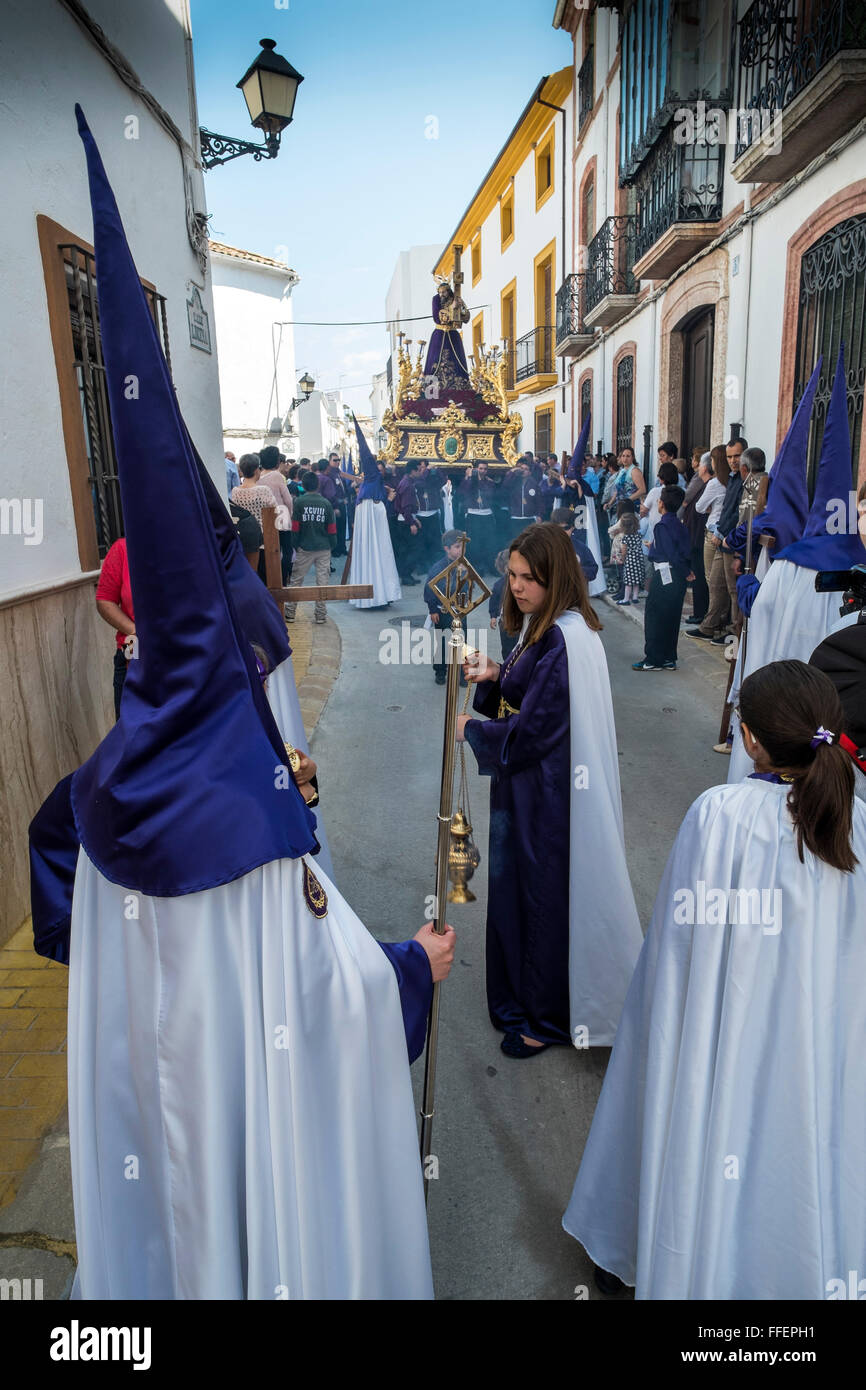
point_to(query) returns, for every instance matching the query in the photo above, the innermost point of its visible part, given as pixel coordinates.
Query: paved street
(508, 1134)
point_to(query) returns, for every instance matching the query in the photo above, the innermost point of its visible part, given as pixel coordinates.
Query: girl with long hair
(561, 943)
(727, 1151)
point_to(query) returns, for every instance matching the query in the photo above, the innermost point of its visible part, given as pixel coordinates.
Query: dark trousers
(700, 587)
(516, 524)
(664, 608)
(340, 519)
(119, 677)
(441, 633)
(286, 551)
(481, 550)
(405, 548)
(429, 538)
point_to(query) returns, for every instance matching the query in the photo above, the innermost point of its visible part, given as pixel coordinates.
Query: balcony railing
(677, 184)
(508, 358)
(585, 88)
(571, 307)
(533, 353)
(609, 260)
(774, 65)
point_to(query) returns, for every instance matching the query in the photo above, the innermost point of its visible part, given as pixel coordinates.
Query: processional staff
(455, 588)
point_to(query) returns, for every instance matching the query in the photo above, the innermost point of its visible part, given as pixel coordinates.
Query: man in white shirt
(710, 504)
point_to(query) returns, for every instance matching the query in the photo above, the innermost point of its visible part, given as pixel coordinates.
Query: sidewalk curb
(315, 686)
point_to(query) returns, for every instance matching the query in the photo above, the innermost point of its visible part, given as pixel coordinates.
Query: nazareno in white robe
(373, 556)
(787, 622)
(605, 936)
(727, 1156)
(240, 1109)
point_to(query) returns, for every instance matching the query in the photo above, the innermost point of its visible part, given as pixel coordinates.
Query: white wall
(379, 399)
(253, 309)
(46, 65)
(322, 426)
(410, 294)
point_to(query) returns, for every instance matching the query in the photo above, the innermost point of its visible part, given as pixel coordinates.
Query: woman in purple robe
(561, 944)
(446, 358)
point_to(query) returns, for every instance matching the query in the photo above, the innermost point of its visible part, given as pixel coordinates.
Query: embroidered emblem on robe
(314, 894)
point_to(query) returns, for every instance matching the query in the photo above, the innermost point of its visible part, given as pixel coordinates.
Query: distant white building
(409, 298)
(380, 400)
(59, 496)
(253, 307)
(323, 428)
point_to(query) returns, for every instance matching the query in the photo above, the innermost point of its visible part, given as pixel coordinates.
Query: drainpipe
(562, 112)
(746, 270)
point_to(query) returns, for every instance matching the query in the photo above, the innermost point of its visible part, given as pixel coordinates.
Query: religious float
(445, 411)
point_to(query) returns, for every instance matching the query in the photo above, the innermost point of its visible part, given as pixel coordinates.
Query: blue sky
(356, 180)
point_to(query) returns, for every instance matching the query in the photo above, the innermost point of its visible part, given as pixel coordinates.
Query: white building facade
(60, 499)
(253, 308)
(325, 424)
(719, 241)
(516, 249)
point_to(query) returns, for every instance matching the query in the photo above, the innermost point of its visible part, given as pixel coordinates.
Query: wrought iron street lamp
(307, 385)
(382, 439)
(270, 87)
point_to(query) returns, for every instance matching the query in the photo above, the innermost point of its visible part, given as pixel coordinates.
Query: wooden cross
(299, 593)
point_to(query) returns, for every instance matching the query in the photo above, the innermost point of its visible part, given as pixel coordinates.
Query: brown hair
(628, 524)
(549, 553)
(783, 705)
(721, 467)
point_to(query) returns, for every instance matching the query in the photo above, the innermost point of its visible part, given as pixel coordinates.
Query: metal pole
(457, 597)
(446, 799)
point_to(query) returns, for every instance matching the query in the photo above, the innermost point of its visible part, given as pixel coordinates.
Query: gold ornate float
(449, 412)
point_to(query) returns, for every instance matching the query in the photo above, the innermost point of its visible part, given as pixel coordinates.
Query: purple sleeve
(747, 592)
(541, 722)
(54, 849)
(411, 965)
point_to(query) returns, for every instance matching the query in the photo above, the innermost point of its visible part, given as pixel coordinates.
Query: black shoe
(514, 1046)
(696, 632)
(669, 665)
(720, 641)
(606, 1282)
(440, 678)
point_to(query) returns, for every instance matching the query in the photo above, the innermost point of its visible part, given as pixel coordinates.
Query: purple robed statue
(446, 358)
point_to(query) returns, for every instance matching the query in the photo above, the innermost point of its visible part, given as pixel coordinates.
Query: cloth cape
(373, 556)
(605, 936)
(727, 1154)
(241, 1115)
(788, 620)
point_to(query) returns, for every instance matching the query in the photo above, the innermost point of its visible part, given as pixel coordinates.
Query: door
(697, 412)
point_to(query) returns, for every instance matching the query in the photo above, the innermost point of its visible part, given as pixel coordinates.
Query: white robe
(605, 935)
(727, 1156)
(599, 584)
(241, 1118)
(787, 622)
(373, 556)
(283, 699)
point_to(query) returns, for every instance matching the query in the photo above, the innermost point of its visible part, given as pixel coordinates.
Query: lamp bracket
(219, 149)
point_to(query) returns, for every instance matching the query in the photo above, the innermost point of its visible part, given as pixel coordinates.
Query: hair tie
(822, 735)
